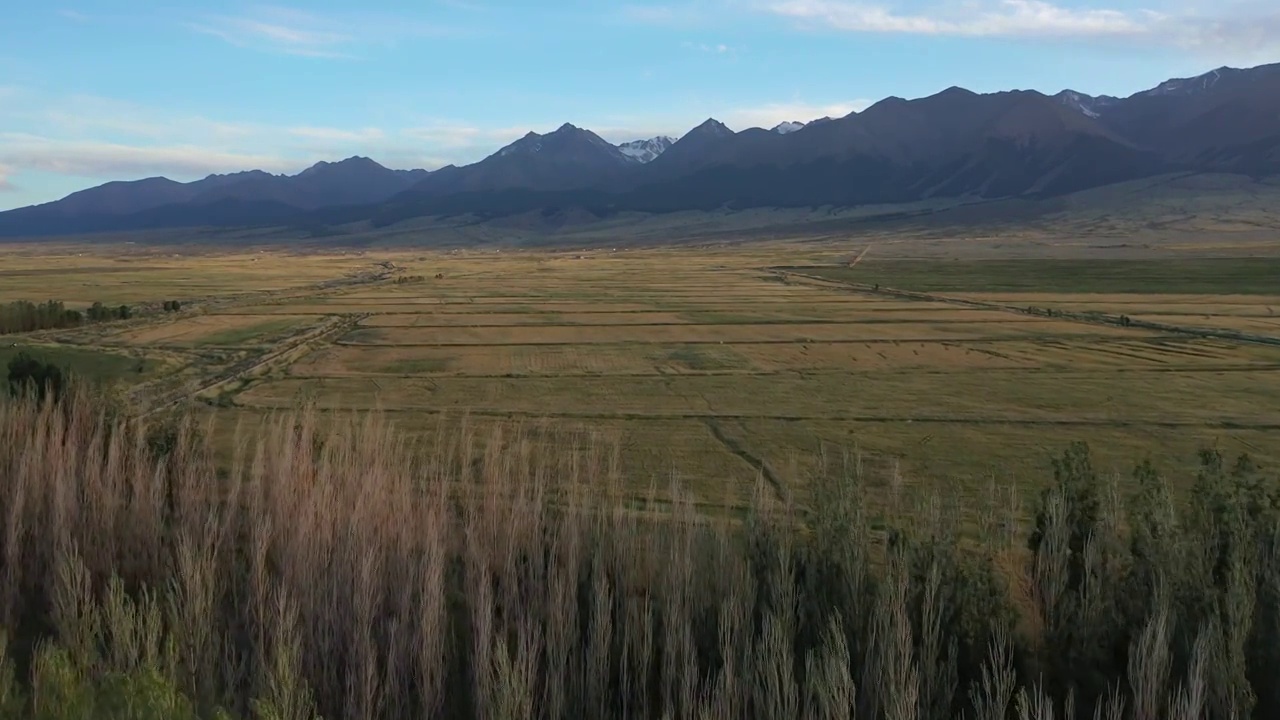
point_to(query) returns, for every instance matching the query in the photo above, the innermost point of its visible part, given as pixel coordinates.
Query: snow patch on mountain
(1187, 86)
(1087, 105)
(784, 128)
(643, 151)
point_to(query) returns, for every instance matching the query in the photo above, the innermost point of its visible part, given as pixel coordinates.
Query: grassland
(711, 366)
(1254, 276)
(130, 274)
(212, 330)
(93, 364)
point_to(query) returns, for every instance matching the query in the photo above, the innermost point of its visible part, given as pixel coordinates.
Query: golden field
(705, 367)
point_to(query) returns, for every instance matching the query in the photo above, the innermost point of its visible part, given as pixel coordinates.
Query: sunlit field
(709, 368)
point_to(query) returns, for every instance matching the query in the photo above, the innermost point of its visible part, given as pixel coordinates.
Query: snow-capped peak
(643, 151)
(787, 127)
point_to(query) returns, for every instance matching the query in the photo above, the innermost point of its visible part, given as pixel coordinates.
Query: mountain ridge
(952, 144)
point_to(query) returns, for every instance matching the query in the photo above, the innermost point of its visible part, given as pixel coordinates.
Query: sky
(98, 90)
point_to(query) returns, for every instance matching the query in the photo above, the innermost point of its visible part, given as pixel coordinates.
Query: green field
(96, 365)
(1164, 276)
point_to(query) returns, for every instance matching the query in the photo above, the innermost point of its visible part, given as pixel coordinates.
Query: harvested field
(339, 360)
(1096, 398)
(518, 319)
(212, 330)
(878, 332)
(707, 370)
(1156, 276)
(82, 275)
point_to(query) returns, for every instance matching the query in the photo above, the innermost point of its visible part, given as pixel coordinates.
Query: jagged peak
(709, 127)
(352, 162)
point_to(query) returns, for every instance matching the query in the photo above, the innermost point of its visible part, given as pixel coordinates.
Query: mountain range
(955, 144)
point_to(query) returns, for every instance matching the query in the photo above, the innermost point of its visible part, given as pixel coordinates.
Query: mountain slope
(1224, 120)
(695, 148)
(122, 198)
(568, 158)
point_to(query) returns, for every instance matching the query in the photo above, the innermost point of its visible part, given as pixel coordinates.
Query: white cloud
(89, 136)
(337, 135)
(1004, 18)
(769, 115)
(296, 32)
(116, 161)
(714, 48)
(456, 136)
(107, 139)
(90, 115)
(1227, 31)
(243, 32)
(1247, 36)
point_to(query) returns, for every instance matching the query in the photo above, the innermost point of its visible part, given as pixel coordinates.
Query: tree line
(24, 316)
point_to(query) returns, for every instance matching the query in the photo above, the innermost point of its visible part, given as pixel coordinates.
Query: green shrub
(28, 375)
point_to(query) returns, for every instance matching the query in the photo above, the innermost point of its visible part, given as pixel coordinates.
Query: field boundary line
(739, 450)
(812, 372)
(1084, 318)
(868, 419)
(731, 342)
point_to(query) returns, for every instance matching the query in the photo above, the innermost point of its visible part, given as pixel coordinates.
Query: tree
(28, 374)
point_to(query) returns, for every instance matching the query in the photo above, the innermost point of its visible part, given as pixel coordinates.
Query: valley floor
(707, 369)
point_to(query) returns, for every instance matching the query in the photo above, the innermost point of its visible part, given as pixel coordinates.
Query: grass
(257, 332)
(886, 331)
(117, 274)
(1192, 275)
(694, 357)
(212, 330)
(540, 317)
(91, 364)
(418, 366)
(1065, 397)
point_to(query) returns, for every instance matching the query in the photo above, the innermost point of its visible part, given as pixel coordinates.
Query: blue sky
(96, 90)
